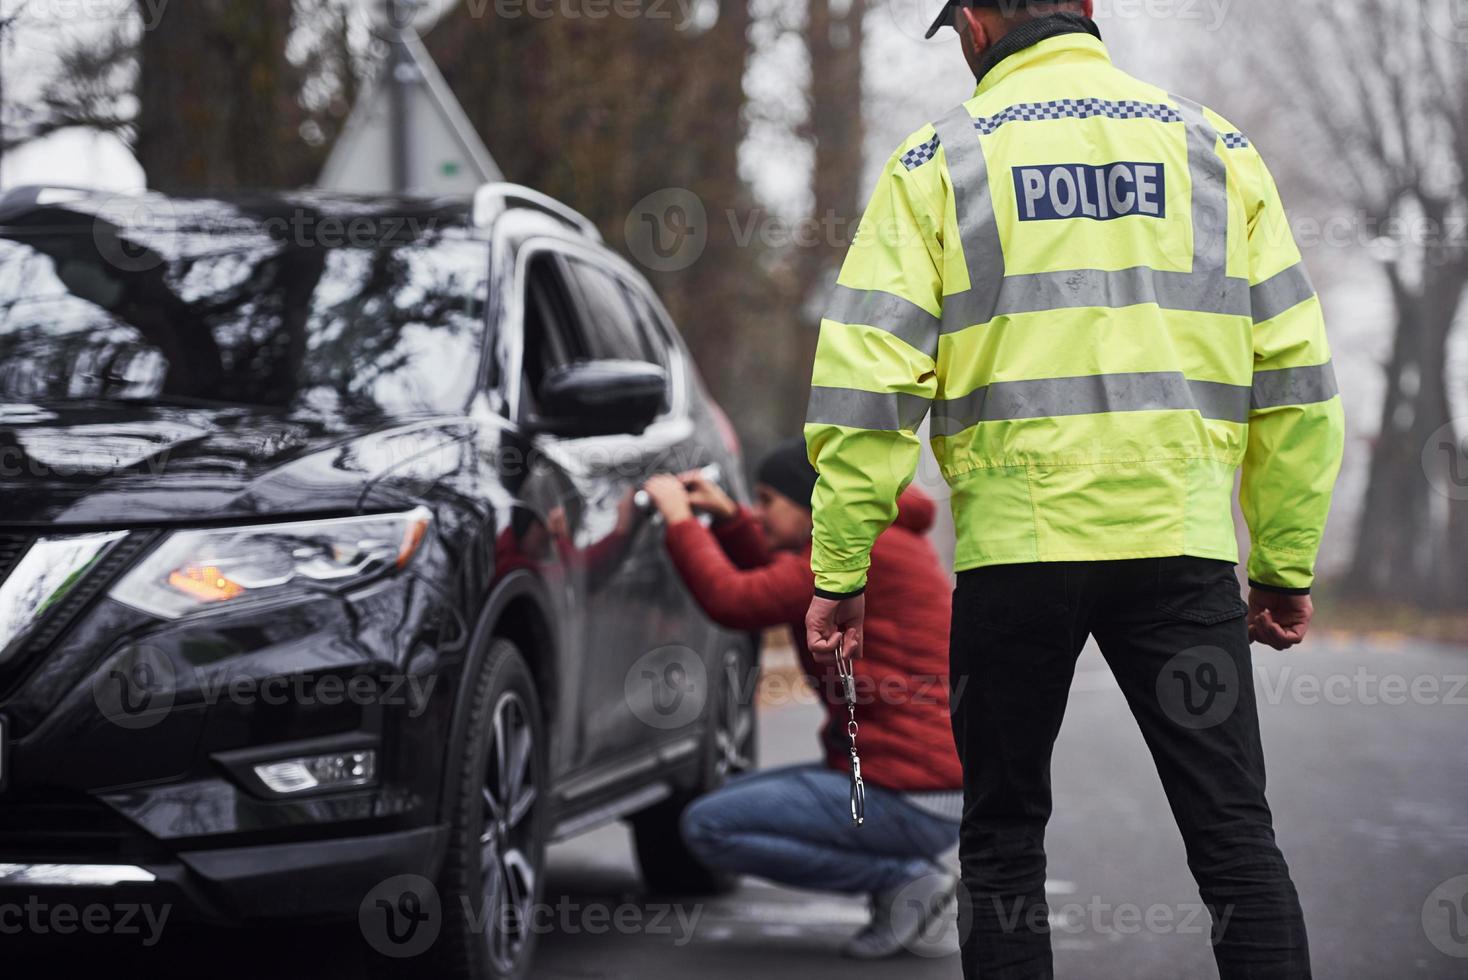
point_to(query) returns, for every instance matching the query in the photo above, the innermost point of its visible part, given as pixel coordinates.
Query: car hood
(110, 463)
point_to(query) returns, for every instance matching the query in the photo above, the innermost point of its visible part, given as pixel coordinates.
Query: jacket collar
(1060, 36)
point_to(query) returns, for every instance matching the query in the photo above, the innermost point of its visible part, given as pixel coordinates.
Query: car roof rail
(492, 199)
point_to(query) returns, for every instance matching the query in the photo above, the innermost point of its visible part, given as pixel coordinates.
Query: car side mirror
(600, 398)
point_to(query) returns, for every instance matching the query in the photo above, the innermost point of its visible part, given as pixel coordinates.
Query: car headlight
(226, 567)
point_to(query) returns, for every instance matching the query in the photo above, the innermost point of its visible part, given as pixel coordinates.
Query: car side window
(654, 335)
(650, 325)
(609, 325)
(550, 336)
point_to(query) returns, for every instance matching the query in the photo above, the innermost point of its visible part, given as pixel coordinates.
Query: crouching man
(793, 825)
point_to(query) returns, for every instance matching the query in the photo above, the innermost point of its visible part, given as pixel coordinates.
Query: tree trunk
(601, 114)
(1409, 547)
(217, 99)
(834, 39)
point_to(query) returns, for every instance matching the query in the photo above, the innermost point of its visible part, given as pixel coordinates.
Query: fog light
(340, 770)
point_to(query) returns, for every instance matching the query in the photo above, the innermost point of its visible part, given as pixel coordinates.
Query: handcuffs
(848, 687)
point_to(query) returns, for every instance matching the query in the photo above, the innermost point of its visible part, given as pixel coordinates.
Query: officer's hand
(1279, 621)
(829, 620)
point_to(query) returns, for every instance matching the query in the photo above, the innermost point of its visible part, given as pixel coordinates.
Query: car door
(575, 310)
(644, 681)
(675, 617)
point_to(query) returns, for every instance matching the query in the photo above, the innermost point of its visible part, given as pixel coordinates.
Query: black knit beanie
(787, 469)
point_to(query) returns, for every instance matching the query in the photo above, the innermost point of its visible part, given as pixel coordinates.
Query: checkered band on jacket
(920, 154)
(1077, 109)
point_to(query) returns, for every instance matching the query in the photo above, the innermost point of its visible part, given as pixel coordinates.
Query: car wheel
(731, 748)
(492, 874)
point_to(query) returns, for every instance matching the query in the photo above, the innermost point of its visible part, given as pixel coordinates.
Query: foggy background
(775, 116)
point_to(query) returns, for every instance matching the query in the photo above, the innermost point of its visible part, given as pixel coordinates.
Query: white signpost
(407, 133)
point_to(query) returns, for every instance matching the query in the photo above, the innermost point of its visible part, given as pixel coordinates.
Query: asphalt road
(1369, 783)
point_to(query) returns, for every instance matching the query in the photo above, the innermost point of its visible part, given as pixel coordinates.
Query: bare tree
(218, 102)
(210, 96)
(601, 113)
(835, 31)
(93, 73)
(1381, 96)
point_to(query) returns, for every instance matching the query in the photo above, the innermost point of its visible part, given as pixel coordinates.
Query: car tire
(493, 870)
(730, 748)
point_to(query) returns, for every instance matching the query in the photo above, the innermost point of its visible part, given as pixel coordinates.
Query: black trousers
(1173, 632)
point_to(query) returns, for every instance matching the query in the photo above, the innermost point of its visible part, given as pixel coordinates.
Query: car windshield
(372, 315)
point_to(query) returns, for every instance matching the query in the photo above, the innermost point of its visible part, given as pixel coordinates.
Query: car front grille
(62, 826)
(51, 623)
(12, 546)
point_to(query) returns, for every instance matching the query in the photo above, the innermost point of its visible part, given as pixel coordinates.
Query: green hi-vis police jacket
(1092, 286)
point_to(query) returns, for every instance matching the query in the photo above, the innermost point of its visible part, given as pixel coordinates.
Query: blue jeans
(793, 825)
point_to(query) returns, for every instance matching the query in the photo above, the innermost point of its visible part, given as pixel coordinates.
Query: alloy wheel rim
(507, 840)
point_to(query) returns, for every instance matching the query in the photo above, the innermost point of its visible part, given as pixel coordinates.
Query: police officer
(1090, 284)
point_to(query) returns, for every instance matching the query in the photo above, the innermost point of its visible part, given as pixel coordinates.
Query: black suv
(326, 589)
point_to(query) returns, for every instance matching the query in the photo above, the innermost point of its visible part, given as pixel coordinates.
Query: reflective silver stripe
(1044, 291)
(978, 229)
(1294, 386)
(1091, 395)
(1281, 293)
(882, 411)
(1206, 289)
(1209, 177)
(885, 311)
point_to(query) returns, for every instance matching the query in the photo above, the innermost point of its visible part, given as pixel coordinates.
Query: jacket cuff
(1280, 570)
(838, 596)
(838, 583)
(1277, 589)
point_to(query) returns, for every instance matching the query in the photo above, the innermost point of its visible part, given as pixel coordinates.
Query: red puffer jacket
(905, 738)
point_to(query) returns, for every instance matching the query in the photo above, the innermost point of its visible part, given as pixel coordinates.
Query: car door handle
(713, 472)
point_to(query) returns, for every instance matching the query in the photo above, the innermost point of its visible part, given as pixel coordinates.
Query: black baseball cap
(945, 16)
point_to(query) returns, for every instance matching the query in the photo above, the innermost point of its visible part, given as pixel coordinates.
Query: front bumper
(324, 879)
(170, 789)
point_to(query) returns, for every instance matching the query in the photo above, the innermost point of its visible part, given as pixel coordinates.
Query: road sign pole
(398, 68)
